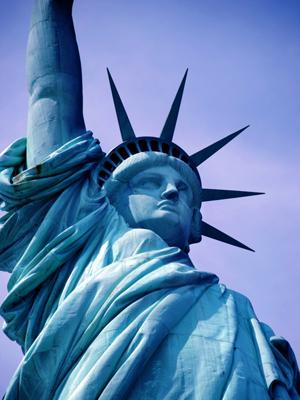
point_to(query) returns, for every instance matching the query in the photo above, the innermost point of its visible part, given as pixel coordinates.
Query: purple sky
(244, 63)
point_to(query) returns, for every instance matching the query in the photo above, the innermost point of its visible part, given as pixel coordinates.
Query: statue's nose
(170, 193)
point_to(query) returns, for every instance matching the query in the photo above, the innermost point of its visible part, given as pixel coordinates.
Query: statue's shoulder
(239, 301)
(240, 298)
(243, 304)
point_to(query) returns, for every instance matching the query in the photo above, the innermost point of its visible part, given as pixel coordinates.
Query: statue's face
(158, 199)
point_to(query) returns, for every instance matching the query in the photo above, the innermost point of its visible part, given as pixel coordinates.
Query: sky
(244, 62)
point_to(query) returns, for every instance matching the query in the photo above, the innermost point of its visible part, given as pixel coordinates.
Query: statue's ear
(195, 234)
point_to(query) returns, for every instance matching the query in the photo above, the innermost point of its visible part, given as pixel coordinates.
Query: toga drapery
(105, 311)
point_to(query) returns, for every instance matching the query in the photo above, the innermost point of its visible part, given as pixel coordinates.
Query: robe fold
(104, 311)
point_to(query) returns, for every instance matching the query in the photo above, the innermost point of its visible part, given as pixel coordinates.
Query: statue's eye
(182, 186)
(153, 183)
(148, 183)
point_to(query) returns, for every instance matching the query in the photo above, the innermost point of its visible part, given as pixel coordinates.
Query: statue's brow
(149, 175)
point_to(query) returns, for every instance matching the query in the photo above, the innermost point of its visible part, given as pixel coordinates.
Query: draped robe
(105, 311)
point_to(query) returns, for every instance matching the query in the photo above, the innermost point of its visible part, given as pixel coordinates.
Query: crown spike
(127, 132)
(202, 155)
(213, 233)
(169, 127)
(220, 194)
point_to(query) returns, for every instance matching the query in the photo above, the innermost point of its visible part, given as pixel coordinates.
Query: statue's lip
(167, 204)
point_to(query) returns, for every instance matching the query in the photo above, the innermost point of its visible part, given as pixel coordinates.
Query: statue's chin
(165, 221)
(167, 226)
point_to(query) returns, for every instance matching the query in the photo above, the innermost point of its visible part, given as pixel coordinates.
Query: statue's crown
(131, 145)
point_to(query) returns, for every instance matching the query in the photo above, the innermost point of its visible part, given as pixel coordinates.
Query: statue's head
(155, 184)
(155, 191)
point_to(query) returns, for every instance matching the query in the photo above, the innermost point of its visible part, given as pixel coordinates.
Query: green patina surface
(103, 300)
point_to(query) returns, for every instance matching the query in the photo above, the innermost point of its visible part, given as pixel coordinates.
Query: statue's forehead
(165, 172)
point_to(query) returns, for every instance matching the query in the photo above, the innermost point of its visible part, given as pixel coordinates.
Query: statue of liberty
(103, 298)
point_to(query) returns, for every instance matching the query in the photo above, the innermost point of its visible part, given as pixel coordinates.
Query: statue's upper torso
(105, 311)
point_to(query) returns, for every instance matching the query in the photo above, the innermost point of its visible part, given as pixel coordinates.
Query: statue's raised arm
(54, 80)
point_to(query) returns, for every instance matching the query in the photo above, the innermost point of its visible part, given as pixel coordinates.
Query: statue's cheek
(142, 205)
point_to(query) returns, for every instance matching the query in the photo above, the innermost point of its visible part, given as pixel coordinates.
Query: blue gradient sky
(244, 63)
